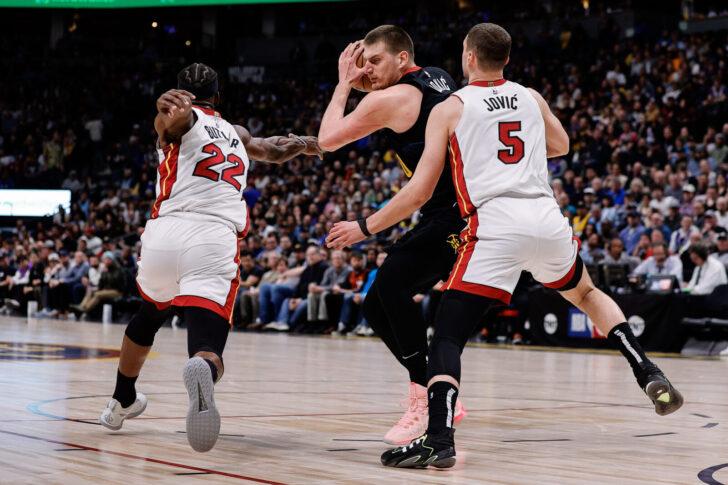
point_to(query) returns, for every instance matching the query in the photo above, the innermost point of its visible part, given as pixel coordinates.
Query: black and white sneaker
(203, 419)
(427, 450)
(663, 395)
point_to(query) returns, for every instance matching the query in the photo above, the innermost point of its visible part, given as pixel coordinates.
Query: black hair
(199, 79)
(700, 250)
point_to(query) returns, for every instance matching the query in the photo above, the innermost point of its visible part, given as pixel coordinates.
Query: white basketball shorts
(189, 262)
(508, 235)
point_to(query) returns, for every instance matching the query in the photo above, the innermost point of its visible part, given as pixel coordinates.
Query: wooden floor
(306, 410)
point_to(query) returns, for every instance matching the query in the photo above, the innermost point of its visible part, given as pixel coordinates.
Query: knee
(145, 324)
(584, 292)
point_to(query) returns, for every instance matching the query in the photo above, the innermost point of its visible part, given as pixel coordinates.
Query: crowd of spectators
(644, 183)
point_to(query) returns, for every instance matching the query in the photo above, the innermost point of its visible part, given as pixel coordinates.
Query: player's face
(381, 66)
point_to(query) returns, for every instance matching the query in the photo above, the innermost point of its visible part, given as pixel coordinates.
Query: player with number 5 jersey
(499, 135)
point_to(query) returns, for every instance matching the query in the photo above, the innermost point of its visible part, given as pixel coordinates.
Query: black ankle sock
(125, 392)
(622, 338)
(213, 368)
(441, 398)
(417, 368)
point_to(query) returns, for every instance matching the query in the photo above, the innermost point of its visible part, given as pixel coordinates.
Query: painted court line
(144, 458)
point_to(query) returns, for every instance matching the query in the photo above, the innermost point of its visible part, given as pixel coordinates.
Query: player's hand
(175, 101)
(344, 234)
(312, 146)
(348, 72)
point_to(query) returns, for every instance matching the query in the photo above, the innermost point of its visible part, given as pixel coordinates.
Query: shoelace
(413, 443)
(411, 404)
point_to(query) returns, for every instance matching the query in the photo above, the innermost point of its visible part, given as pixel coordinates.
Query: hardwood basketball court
(305, 410)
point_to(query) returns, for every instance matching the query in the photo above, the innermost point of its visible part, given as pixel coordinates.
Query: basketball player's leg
(209, 280)
(157, 283)
(126, 402)
(609, 318)
(457, 317)
(373, 310)
(400, 323)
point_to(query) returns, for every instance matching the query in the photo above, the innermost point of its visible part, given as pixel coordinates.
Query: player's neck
(412, 67)
(485, 76)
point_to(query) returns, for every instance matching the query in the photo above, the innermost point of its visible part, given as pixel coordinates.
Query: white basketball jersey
(499, 145)
(203, 175)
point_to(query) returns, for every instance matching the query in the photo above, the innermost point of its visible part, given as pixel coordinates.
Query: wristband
(363, 226)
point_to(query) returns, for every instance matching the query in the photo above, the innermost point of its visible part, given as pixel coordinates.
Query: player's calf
(206, 336)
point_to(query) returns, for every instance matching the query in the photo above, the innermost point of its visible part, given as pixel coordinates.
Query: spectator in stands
(336, 275)
(72, 279)
(250, 275)
(6, 275)
(711, 229)
(351, 314)
(680, 239)
(59, 292)
(581, 218)
(722, 253)
(631, 234)
(687, 200)
(272, 295)
(112, 285)
(617, 256)
(17, 284)
(721, 211)
(708, 273)
(660, 263)
(592, 252)
(33, 291)
(249, 304)
(295, 308)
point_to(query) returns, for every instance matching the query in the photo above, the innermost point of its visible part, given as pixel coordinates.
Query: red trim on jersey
(167, 176)
(560, 283)
(455, 281)
(488, 84)
(457, 168)
(411, 69)
(241, 235)
(163, 305)
(207, 110)
(566, 279)
(226, 310)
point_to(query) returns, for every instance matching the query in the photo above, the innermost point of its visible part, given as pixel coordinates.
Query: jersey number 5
(514, 153)
(204, 166)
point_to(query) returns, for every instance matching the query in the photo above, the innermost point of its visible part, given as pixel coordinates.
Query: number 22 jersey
(203, 175)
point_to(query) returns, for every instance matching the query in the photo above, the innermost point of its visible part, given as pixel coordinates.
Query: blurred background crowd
(644, 184)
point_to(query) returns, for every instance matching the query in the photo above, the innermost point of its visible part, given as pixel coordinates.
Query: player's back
(499, 145)
(202, 176)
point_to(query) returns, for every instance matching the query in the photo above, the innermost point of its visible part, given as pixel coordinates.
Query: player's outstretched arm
(420, 187)
(174, 115)
(557, 140)
(276, 149)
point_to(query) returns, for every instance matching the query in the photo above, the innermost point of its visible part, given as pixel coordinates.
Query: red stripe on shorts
(561, 282)
(161, 305)
(226, 310)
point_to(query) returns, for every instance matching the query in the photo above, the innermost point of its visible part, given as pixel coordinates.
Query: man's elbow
(564, 148)
(560, 148)
(327, 143)
(420, 199)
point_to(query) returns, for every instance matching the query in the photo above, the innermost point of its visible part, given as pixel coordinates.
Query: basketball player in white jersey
(189, 256)
(499, 135)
